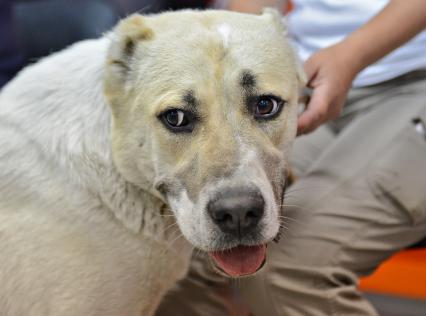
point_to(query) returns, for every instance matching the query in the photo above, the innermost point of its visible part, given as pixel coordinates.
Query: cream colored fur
(83, 227)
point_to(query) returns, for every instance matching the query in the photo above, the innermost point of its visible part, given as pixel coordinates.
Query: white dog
(184, 116)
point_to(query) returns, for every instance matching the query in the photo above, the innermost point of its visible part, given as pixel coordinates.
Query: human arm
(330, 71)
(254, 6)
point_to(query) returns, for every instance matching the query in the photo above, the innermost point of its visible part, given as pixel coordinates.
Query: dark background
(30, 29)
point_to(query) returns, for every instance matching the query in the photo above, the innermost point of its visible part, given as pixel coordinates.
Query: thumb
(316, 112)
(311, 68)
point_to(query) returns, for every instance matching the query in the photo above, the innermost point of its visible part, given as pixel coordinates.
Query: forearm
(255, 6)
(396, 24)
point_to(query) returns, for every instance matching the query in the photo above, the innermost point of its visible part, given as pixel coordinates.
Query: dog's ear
(127, 36)
(276, 18)
(280, 23)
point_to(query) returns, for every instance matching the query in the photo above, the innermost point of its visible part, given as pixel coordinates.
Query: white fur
(225, 31)
(77, 236)
(72, 231)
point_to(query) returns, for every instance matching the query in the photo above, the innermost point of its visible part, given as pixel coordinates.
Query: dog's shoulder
(52, 118)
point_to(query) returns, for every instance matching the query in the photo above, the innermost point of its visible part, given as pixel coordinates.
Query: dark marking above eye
(248, 80)
(129, 47)
(189, 99)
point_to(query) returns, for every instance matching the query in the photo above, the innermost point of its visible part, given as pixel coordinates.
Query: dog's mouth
(241, 260)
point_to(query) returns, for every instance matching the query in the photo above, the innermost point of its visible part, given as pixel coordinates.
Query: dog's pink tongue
(240, 260)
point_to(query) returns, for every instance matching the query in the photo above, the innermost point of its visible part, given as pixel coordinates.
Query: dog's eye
(267, 107)
(177, 120)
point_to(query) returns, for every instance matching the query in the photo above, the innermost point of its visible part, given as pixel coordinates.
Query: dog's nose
(237, 212)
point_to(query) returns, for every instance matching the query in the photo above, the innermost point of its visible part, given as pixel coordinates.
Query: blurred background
(30, 29)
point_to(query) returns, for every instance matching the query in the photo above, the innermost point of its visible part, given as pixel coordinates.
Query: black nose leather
(237, 212)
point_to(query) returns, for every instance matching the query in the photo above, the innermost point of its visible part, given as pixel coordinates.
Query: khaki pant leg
(360, 202)
(307, 149)
(203, 291)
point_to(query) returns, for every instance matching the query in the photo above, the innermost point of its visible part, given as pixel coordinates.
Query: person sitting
(359, 158)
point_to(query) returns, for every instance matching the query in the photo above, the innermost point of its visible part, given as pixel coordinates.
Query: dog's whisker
(285, 227)
(199, 252)
(276, 181)
(291, 229)
(170, 244)
(289, 205)
(292, 223)
(302, 188)
(168, 227)
(291, 219)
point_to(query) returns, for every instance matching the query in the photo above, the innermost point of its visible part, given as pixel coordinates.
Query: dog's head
(204, 108)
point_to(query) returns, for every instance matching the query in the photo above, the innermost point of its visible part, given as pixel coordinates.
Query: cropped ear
(125, 38)
(277, 19)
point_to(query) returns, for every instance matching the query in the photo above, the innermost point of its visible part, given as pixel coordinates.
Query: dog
(120, 155)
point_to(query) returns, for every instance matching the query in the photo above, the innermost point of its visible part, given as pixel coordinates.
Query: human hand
(330, 73)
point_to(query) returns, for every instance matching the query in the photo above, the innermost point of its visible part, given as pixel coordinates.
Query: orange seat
(404, 274)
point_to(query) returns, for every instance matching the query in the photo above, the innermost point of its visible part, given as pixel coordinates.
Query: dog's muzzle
(237, 212)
